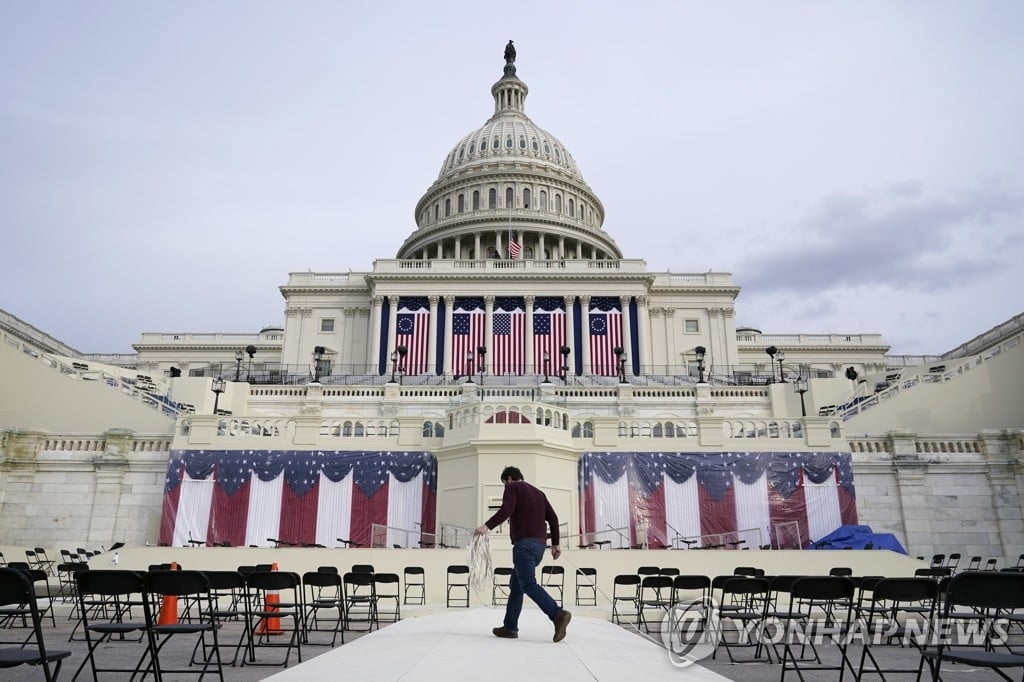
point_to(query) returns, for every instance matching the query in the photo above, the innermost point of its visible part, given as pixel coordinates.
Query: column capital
(489, 299)
(378, 300)
(433, 300)
(585, 301)
(641, 301)
(528, 299)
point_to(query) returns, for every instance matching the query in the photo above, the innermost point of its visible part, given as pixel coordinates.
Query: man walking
(527, 510)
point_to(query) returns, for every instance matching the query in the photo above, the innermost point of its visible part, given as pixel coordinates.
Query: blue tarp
(858, 537)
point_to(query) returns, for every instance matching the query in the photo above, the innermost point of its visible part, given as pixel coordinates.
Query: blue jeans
(526, 557)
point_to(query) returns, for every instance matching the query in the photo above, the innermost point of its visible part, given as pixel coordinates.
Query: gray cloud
(900, 236)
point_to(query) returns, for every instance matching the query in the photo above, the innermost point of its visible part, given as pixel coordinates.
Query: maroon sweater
(527, 510)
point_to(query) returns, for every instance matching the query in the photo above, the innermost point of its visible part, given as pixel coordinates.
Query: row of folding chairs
(127, 617)
(966, 618)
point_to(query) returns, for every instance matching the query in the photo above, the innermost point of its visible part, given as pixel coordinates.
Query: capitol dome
(509, 181)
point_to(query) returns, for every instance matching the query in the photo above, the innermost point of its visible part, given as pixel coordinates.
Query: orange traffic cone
(169, 606)
(271, 625)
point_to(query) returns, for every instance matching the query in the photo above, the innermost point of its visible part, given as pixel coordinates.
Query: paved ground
(455, 644)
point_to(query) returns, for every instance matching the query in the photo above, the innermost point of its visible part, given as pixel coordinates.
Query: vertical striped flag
(605, 335)
(412, 327)
(507, 336)
(548, 333)
(468, 320)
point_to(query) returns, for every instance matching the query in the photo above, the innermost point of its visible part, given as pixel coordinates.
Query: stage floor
(458, 645)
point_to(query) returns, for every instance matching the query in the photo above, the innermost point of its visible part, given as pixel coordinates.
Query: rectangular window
(691, 326)
(327, 324)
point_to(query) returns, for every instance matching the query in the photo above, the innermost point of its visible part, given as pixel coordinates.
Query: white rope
(481, 567)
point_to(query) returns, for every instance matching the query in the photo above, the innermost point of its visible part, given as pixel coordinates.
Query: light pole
(700, 351)
(800, 386)
(771, 351)
(318, 355)
(239, 356)
(620, 355)
(782, 376)
(469, 364)
(482, 364)
(565, 350)
(395, 355)
(217, 388)
(251, 350)
(547, 364)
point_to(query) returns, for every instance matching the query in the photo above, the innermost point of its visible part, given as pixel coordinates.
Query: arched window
(508, 142)
(495, 144)
(492, 198)
(558, 203)
(543, 200)
(534, 141)
(447, 207)
(359, 430)
(657, 432)
(428, 429)
(346, 429)
(588, 429)
(576, 430)
(437, 211)
(526, 198)
(462, 203)
(472, 147)
(623, 430)
(438, 430)
(572, 208)
(510, 197)
(522, 142)
(476, 200)
(528, 252)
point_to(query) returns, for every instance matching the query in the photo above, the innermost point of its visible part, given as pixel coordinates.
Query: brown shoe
(507, 634)
(561, 623)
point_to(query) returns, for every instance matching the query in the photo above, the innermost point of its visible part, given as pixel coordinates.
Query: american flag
(412, 327)
(548, 334)
(515, 249)
(507, 336)
(468, 321)
(605, 335)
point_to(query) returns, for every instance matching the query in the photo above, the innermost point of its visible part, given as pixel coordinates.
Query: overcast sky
(857, 166)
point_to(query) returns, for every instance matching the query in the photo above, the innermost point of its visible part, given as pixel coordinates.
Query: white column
(627, 334)
(570, 331)
(488, 331)
(528, 336)
(392, 322)
(449, 311)
(561, 247)
(585, 333)
(432, 339)
(540, 246)
(372, 361)
(476, 247)
(458, 248)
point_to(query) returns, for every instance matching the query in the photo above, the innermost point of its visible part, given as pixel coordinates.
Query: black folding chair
(500, 585)
(322, 592)
(741, 613)
(586, 586)
(552, 578)
(414, 587)
(626, 591)
(193, 586)
(17, 595)
(272, 599)
(900, 610)
(989, 597)
(814, 604)
(655, 593)
(388, 588)
(360, 600)
(457, 581)
(112, 605)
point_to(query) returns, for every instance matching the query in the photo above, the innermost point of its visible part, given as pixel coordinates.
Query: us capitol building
(509, 329)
